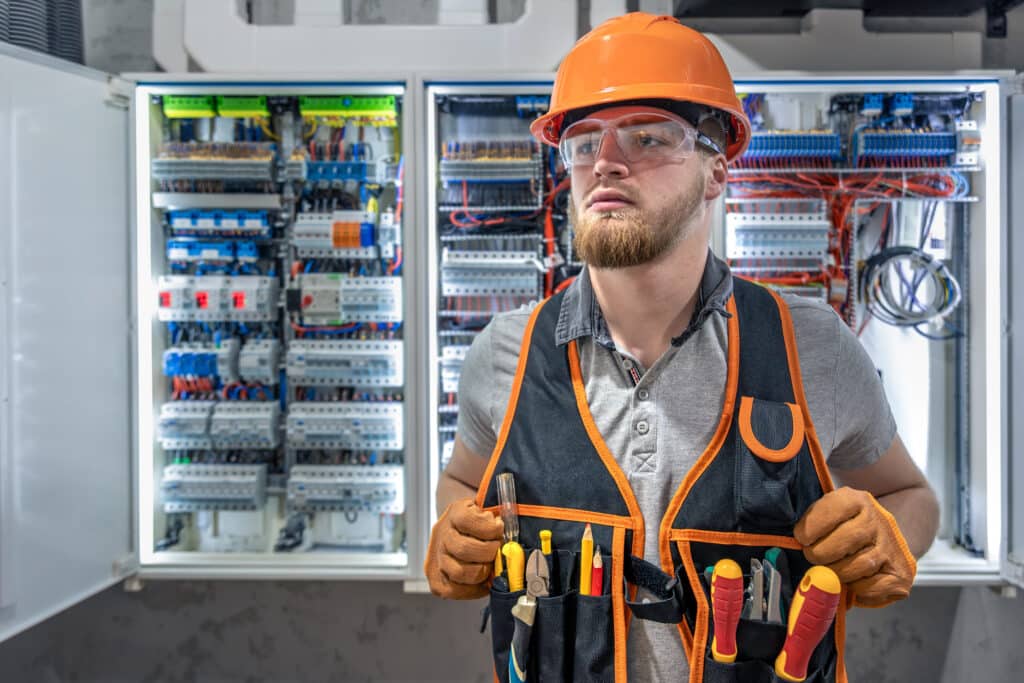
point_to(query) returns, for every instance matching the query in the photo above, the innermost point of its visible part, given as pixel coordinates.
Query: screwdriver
(810, 615)
(507, 501)
(726, 604)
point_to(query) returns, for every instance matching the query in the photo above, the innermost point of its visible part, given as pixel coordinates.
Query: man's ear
(717, 176)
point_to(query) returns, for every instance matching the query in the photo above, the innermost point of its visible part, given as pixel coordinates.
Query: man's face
(627, 213)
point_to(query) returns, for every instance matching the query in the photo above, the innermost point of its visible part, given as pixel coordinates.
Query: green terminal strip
(188, 106)
(242, 107)
(347, 105)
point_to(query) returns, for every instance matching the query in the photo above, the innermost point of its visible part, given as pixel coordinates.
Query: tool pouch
(758, 641)
(572, 637)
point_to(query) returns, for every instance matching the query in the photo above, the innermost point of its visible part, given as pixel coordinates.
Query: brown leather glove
(460, 556)
(848, 531)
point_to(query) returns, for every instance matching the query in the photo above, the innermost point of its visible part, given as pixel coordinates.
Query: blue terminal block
(872, 104)
(172, 363)
(189, 363)
(905, 144)
(902, 104)
(216, 222)
(200, 250)
(528, 105)
(796, 145)
(366, 237)
(246, 251)
(336, 170)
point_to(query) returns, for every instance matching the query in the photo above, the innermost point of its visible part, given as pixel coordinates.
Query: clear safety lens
(640, 137)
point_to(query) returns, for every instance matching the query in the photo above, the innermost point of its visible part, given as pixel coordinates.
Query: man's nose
(610, 161)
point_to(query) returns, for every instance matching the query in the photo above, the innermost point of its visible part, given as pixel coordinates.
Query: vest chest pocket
(771, 437)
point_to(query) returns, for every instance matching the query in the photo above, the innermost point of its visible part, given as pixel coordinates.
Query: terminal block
(219, 223)
(246, 424)
(250, 161)
(260, 361)
(452, 358)
(189, 488)
(192, 250)
(185, 425)
(345, 424)
(203, 360)
(476, 273)
(346, 362)
(217, 298)
(341, 234)
(374, 488)
(371, 299)
(883, 146)
(794, 146)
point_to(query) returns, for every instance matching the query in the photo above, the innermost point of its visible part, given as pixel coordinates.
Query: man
(644, 114)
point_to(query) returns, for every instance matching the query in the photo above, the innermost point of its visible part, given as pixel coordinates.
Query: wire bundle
(907, 287)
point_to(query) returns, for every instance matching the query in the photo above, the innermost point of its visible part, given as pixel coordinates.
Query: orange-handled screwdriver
(810, 615)
(726, 605)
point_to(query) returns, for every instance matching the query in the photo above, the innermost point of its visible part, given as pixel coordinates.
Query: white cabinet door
(1013, 554)
(65, 330)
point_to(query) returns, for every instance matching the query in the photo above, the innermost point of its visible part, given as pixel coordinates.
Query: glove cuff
(901, 543)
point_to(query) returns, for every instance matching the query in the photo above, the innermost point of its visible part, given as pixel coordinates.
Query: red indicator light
(202, 299)
(165, 299)
(238, 299)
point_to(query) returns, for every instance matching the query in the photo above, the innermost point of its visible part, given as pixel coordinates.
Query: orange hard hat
(640, 56)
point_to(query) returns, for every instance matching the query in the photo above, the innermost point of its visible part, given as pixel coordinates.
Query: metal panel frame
(429, 85)
(359, 566)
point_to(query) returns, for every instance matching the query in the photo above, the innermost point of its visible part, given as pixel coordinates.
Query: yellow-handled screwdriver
(515, 563)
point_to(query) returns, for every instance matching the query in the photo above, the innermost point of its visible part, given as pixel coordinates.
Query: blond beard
(634, 236)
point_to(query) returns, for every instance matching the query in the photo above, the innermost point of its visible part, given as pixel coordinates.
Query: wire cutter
(538, 578)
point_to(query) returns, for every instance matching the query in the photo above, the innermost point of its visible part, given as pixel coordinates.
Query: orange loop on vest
(787, 452)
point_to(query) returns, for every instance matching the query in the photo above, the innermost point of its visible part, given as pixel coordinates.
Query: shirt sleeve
(475, 387)
(486, 380)
(865, 427)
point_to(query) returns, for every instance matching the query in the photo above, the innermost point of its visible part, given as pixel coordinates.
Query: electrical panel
(875, 198)
(276, 225)
(499, 233)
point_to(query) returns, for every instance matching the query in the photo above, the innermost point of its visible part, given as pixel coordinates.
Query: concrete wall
(323, 631)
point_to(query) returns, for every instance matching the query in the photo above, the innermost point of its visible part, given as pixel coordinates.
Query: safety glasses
(643, 136)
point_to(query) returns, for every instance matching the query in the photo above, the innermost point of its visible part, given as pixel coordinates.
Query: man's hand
(460, 557)
(848, 531)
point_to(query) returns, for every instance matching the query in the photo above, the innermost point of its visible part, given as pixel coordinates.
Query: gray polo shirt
(657, 421)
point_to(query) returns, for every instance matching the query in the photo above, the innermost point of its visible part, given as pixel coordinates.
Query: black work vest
(761, 471)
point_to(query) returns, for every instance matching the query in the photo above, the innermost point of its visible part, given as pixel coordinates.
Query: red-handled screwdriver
(726, 605)
(810, 615)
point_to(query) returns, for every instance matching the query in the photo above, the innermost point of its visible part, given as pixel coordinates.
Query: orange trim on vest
(715, 445)
(602, 449)
(510, 410)
(695, 655)
(840, 634)
(619, 603)
(569, 515)
(735, 538)
(817, 455)
(787, 452)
